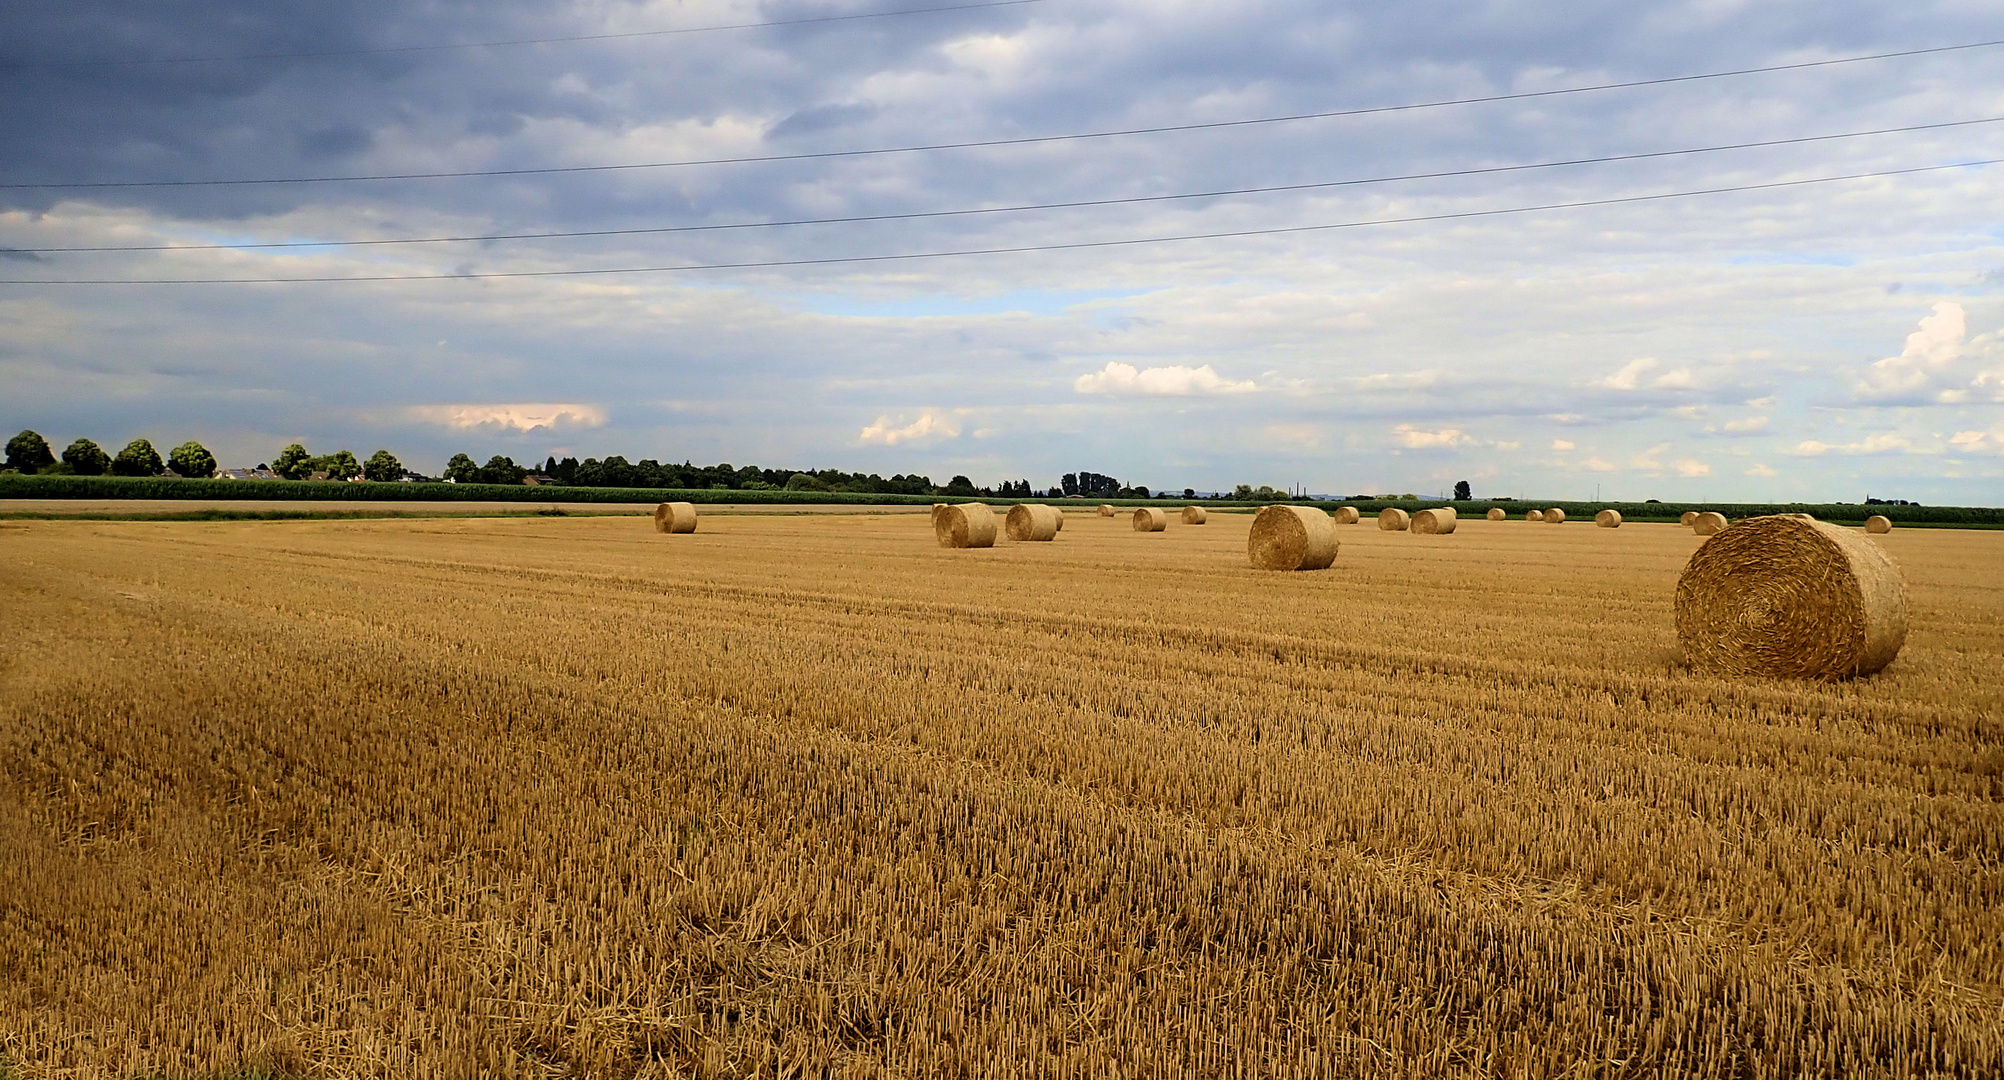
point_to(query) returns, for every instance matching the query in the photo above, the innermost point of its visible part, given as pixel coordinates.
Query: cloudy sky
(1810, 341)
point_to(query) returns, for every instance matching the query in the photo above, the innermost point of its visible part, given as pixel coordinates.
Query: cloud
(519, 416)
(1678, 379)
(1649, 460)
(1979, 442)
(1693, 467)
(1174, 380)
(1413, 438)
(1629, 375)
(1870, 445)
(930, 425)
(1928, 368)
(1762, 471)
(1746, 425)
(1595, 464)
(1561, 445)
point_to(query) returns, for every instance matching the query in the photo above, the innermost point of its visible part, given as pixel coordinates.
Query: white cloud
(1979, 442)
(1762, 471)
(1630, 373)
(1599, 465)
(1413, 438)
(1679, 379)
(1931, 353)
(520, 416)
(1649, 460)
(1693, 467)
(1746, 425)
(1561, 445)
(1871, 444)
(1174, 380)
(931, 424)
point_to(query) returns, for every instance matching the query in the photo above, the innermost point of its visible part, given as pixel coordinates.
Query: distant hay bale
(1438, 521)
(1608, 519)
(1554, 515)
(1346, 515)
(1687, 518)
(1788, 596)
(1059, 511)
(968, 525)
(1393, 519)
(1496, 513)
(1878, 523)
(1194, 515)
(1707, 523)
(1105, 510)
(1291, 538)
(1534, 515)
(1150, 519)
(1031, 521)
(677, 517)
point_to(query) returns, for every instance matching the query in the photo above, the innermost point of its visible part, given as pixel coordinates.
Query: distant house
(245, 474)
(536, 479)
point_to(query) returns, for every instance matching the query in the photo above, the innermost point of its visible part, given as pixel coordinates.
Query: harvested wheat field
(819, 797)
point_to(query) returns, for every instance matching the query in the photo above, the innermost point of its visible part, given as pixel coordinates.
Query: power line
(112, 61)
(985, 143)
(1020, 249)
(1077, 204)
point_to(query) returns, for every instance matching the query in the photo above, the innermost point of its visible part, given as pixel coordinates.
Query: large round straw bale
(1194, 515)
(1555, 515)
(1150, 519)
(677, 517)
(1707, 523)
(1059, 512)
(1105, 510)
(968, 525)
(1687, 518)
(1435, 522)
(937, 509)
(1788, 596)
(1031, 521)
(1346, 515)
(1534, 515)
(1496, 513)
(1393, 519)
(1608, 519)
(1878, 524)
(1291, 538)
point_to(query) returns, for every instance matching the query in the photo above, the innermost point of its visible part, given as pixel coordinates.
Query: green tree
(137, 459)
(193, 460)
(383, 467)
(28, 453)
(1462, 492)
(293, 463)
(501, 470)
(339, 465)
(803, 482)
(86, 458)
(960, 485)
(462, 470)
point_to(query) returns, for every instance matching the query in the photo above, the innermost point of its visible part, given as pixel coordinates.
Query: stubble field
(811, 796)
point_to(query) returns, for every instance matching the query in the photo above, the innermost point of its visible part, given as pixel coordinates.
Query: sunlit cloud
(519, 416)
(1175, 380)
(931, 425)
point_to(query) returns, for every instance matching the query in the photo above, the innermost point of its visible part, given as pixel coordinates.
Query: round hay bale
(1788, 596)
(1194, 515)
(1346, 515)
(1393, 519)
(1105, 510)
(1438, 521)
(1059, 511)
(968, 525)
(1707, 523)
(1150, 519)
(1687, 518)
(1608, 519)
(1291, 538)
(1555, 515)
(1031, 521)
(937, 509)
(1878, 523)
(1496, 513)
(1534, 515)
(676, 517)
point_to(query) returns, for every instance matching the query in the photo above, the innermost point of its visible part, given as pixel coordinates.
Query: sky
(1817, 341)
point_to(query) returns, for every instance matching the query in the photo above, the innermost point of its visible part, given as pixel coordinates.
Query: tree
(1189, 493)
(293, 463)
(501, 470)
(1462, 492)
(193, 460)
(960, 485)
(339, 465)
(383, 467)
(29, 453)
(462, 470)
(86, 458)
(802, 482)
(137, 459)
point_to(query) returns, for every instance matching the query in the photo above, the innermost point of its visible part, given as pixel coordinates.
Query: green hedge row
(121, 487)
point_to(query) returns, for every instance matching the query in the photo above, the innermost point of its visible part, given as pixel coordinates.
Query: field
(811, 796)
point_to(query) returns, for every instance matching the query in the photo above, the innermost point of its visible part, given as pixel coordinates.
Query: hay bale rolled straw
(1878, 523)
(1291, 538)
(1393, 519)
(676, 517)
(1031, 521)
(1346, 515)
(1496, 514)
(1438, 521)
(1708, 523)
(968, 525)
(1608, 519)
(1534, 515)
(1060, 516)
(1554, 516)
(1788, 596)
(1150, 519)
(1687, 518)
(1105, 510)
(1194, 515)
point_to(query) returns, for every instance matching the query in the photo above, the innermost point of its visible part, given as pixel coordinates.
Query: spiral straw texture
(1105, 510)
(1496, 513)
(1608, 519)
(1194, 515)
(1291, 538)
(969, 525)
(1878, 523)
(1687, 517)
(1150, 519)
(1346, 515)
(1788, 596)
(1554, 515)
(675, 517)
(1709, 522)
(1393, 519)
(1438, 521)
(1031, 521)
